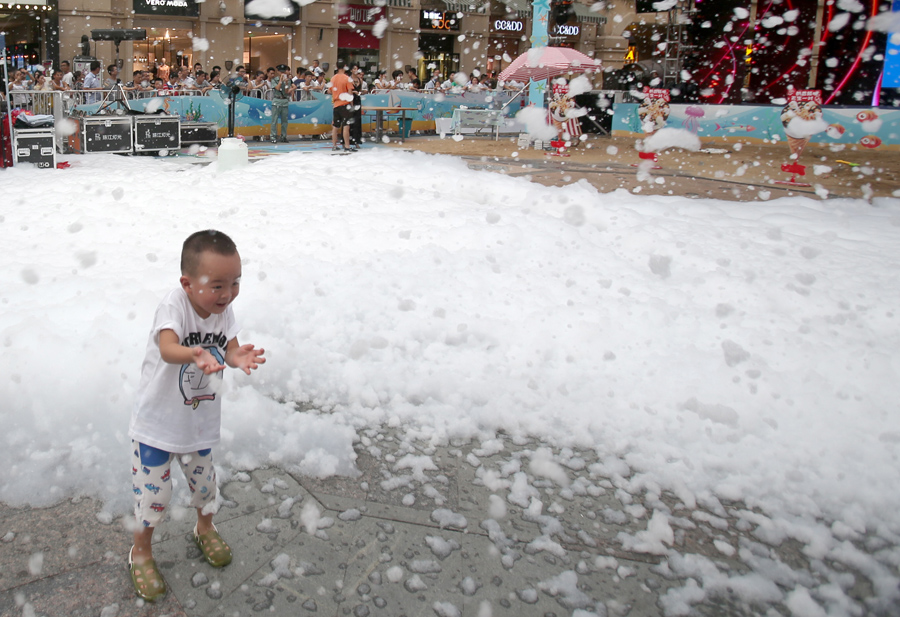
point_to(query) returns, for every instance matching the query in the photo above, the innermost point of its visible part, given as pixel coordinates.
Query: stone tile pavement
(451, 530)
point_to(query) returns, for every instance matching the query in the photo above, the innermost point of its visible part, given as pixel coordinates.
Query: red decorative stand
(795, 169)
(647, 156)
(559, 147)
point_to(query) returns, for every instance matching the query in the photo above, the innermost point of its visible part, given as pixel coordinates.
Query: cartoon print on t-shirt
(194, 380)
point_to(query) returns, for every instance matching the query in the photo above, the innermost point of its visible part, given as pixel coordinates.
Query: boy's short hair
(201, 241)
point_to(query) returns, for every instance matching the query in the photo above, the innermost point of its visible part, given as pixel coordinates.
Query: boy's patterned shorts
(152, 480)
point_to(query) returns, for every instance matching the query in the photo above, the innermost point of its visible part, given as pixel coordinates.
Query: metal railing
(306, 94)
(259, 93)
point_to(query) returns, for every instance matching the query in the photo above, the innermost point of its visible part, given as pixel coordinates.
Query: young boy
(177, 414)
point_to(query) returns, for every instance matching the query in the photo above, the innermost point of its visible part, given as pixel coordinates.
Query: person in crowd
(381, 81)
(215, 83)
(138, 82)
(77, 80)
(174, 83)
(435, 82)
(198, 68)
(68, 77)
(316, 69)
(187, 79)
(92, 82)
(56, 83)
(271, 74)
(359, 85)
(342, 103)
(298, 80)
(282, 92)
(414, 82)
(37, 81)
(452, 85)
(475, 84)
(359, 77)
(112, 77)
(312, 84)
(18, 85)
(396, 80)
(201, 82)
(240, 79)
(513, 85)
(258, 83)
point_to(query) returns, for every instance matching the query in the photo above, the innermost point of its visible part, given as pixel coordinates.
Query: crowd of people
(345, 87)
(163, 79)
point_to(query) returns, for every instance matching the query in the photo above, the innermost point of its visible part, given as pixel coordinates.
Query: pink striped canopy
(547, 62)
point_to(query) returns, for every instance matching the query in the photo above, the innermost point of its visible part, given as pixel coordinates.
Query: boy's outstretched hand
(246, 357)
(205, 361)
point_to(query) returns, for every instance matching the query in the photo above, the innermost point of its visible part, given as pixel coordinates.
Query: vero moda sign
(176, 8)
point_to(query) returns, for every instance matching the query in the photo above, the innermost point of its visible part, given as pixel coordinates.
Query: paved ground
(420, 532)
(729, 171)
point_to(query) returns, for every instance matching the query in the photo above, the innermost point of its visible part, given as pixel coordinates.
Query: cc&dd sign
(566, 30)
(506, 25)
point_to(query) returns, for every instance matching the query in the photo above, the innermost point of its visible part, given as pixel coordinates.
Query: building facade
(376, 34)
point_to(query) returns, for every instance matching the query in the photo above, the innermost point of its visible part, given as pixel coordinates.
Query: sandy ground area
(736, 171)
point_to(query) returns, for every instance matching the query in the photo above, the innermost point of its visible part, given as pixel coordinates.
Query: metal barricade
(64, 104)
(54, 103)
(140, 94)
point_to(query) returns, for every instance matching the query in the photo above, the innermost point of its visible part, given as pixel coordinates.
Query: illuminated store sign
(565, 30)
(508, 25)
(180, 8)
(362, 15)
(438, 20)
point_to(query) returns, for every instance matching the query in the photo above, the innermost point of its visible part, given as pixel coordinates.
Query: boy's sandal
(146, 578)
(213, 547)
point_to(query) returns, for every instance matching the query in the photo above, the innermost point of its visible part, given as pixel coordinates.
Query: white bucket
(443, 126)
(232, 153)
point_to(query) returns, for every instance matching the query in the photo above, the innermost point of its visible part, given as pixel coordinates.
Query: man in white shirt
(187, 80)
(92, 82)
(435, 82)
(68, 78)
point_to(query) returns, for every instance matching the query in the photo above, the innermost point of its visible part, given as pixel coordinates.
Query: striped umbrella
(547, 62)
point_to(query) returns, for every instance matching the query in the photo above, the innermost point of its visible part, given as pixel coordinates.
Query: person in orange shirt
(341, 100)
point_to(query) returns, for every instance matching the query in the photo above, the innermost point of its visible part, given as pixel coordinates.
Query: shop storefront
(438, 32)
(166, 42)
(565, 35)
(170, 28)
(506, 35)
(266, 46)
(31, 33)
(357, 45)
(269, 38)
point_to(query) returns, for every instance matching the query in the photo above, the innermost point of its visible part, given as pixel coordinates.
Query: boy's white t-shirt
(178, 408)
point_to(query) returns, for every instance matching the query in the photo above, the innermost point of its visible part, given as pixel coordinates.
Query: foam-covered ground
(717, 350)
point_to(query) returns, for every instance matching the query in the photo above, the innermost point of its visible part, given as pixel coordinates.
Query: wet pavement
(510, 527)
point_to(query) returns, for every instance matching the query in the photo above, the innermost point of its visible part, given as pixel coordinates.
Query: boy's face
(215, 284)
